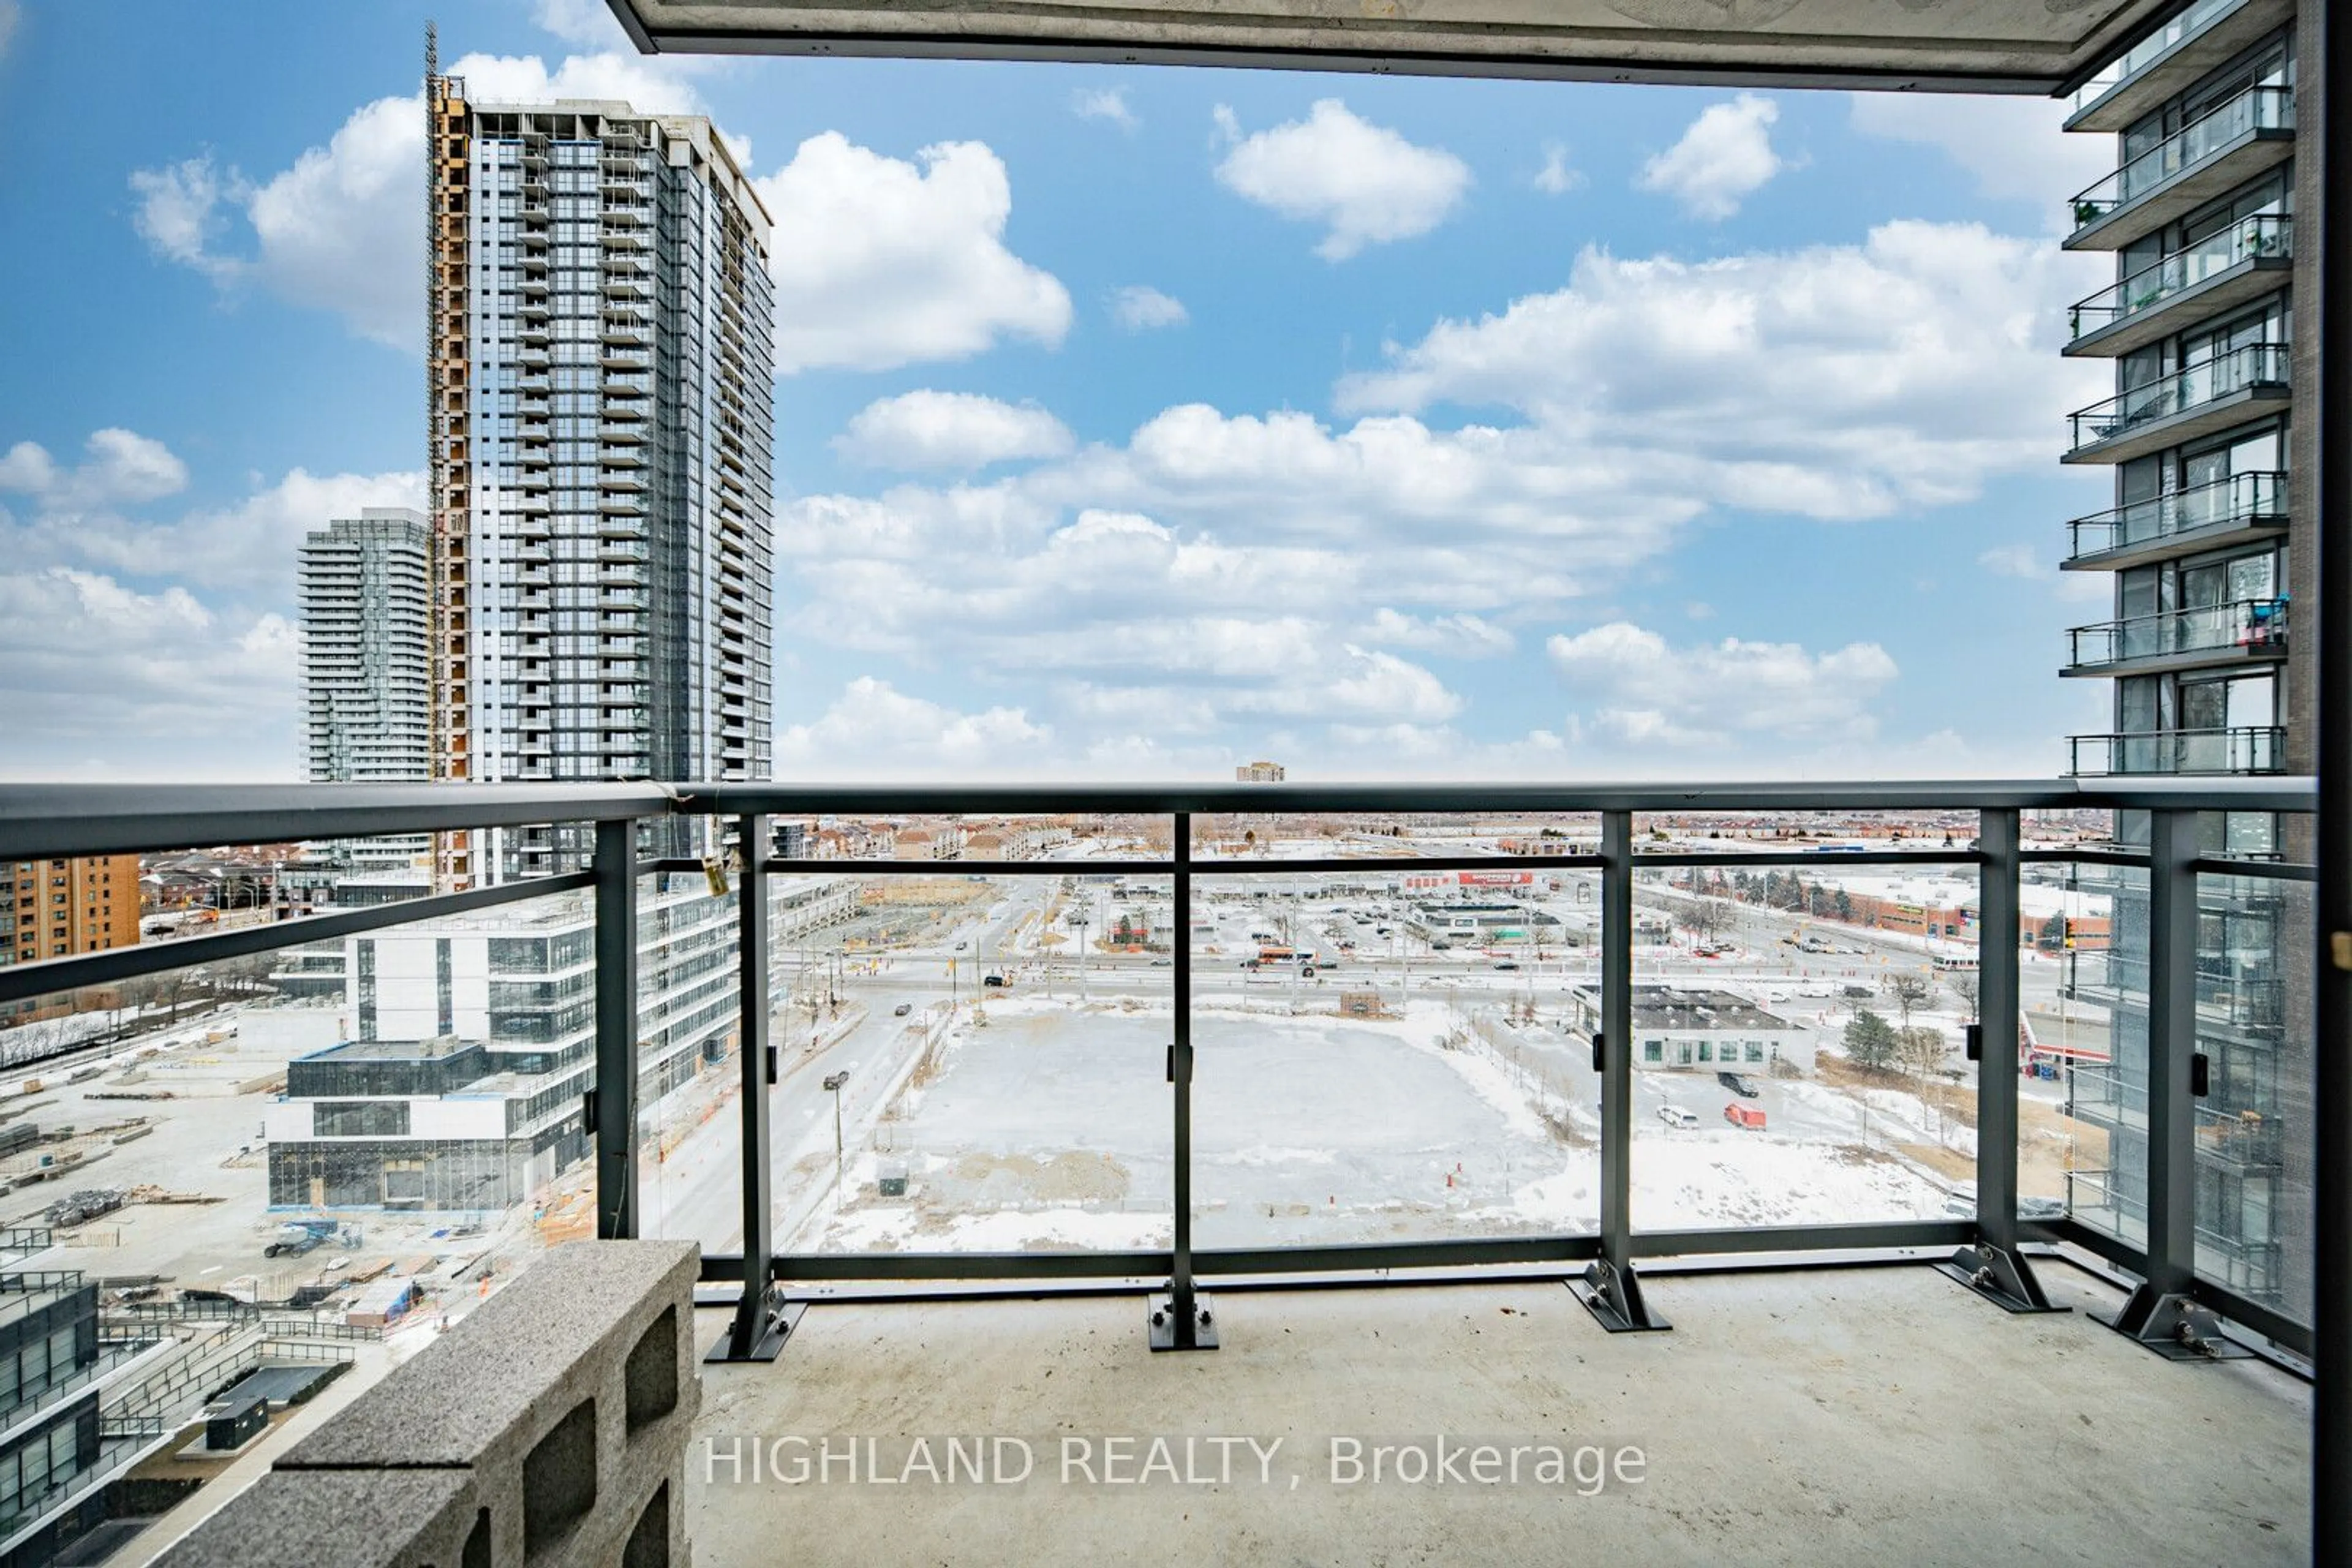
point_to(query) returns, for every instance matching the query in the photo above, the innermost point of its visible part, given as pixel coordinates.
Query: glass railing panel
(2261, 234)
(327, 1150)
(2082, 1047)
(2256, 108)
(959, 1069)
(2259, 749)
(1430, 1083)
(1776, 831)
(689, 1042)
(2240, 498)
(1796, 1069)
(2257, 626)
(1500, 836)
(2254, 1128)
(977, 837)
(2189, 24)
(2254, 365)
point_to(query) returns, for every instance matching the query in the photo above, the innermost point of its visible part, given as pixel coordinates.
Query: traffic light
(2067, 931)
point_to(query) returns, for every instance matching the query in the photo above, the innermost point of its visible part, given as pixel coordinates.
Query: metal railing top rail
(66, 819)
(44, 820)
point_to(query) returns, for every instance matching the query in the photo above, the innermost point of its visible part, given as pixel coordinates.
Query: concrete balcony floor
(1855, 1416)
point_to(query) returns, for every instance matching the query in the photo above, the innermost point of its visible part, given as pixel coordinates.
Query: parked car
(902, 1009)
(962, 945)
(1505, 964)
(1744, 1087)
(1675, 1116)
(1163, 963)
(2041, 1209)
(994, 980)
(1862, 992)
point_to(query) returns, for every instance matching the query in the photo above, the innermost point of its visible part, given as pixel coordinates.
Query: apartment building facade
(601, 413)
(56, 908)
(2204, 324)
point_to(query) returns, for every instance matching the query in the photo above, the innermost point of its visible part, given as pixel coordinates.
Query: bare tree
(1910, 993)
(1702, 918)
(1922, 1051)
(1964, 986)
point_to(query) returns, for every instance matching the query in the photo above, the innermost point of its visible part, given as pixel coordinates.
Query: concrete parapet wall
(547, 1427)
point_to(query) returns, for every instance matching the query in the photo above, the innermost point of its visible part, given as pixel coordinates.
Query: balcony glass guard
(2255, 365)
(2239, 498)
(2261, 234)
(2255, 625)
(2247, 748)
(2256, 108)
(2138, 59)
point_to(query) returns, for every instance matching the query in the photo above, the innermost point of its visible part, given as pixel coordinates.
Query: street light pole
(832, 1082)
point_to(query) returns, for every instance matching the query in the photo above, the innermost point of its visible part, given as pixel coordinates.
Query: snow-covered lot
(1050, 1127)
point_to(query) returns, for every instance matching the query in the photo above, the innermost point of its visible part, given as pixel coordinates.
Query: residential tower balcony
(2226, 146)
(2242, 749)
(2214, 275)
(2244, 631)
(2170, 60)
(2241, 507)
(2199, 400)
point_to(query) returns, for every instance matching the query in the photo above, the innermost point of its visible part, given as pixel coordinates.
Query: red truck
(1745, 1116)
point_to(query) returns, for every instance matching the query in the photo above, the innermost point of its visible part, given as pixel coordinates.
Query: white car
(1675, 1116)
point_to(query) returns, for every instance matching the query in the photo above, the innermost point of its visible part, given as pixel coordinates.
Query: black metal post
(2160, 1313)
(1611, 1293)
(1991, 1266)
(1181, 1320)
(2329, 540)
(763, 1319)
(616, 1030)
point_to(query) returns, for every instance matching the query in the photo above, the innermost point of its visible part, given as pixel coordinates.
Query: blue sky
(1132, 422)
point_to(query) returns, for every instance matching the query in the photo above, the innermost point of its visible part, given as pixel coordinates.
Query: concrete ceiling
(1985, 46)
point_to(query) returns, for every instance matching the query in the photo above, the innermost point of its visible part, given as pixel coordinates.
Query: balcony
(2246, 631)
(2215, 275)
(2247, 506)
(1203, 1126)
(2200, 400)
(2245, 748)
(2172, 60)
(2228, 145)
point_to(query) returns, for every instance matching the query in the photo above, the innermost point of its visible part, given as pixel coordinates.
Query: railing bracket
(1613, 1297)
(2175, 1326)
(759, 1328)
(2001, 1277)
(1174, 1329)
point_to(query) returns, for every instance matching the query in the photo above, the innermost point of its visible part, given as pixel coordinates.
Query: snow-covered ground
(1050, 1127)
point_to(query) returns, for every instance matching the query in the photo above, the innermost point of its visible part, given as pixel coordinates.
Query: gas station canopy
(1984, 46)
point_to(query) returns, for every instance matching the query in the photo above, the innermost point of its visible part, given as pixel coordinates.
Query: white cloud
(123, 466)
(872, 727)
(1107, 103)
(588, 22)
(90, 670)
(342, 229)
(2012, 560)
(878, 263)
(1365, 182)
(1459, 635)
(1140, 308)
(1838, 381)
(1647, 694)
(77, 515)
(2013, 148)
(1556, 177)
(1726, 156)
(2024, 562)
(958, 430)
